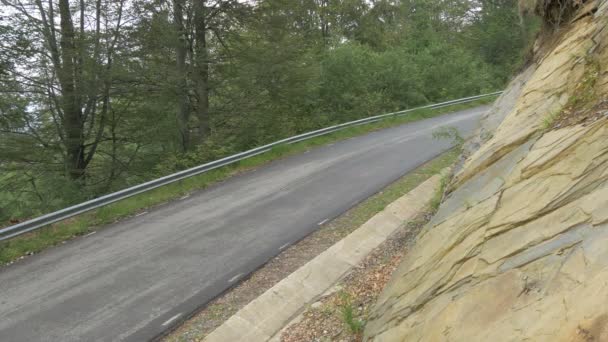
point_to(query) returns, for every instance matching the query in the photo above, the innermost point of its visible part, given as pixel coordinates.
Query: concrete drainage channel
(264, 317)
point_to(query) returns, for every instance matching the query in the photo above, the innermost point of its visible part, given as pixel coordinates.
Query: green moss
(438, 196)
(549, 120)
(584, 93)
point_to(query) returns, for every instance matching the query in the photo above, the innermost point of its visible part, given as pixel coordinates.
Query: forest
(98, 95)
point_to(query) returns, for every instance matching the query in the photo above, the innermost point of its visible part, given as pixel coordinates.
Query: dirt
(571, 117)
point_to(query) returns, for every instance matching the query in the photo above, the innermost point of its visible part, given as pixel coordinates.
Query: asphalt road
(136, 278)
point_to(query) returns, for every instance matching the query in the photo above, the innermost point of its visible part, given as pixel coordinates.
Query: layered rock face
(519, 248)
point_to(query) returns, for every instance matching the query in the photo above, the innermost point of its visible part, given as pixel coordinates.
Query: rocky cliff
(519, 248)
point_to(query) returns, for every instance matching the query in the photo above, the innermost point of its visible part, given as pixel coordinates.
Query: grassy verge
(34, 242)
(220, 309)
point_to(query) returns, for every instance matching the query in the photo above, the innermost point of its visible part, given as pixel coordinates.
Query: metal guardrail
(39, 222)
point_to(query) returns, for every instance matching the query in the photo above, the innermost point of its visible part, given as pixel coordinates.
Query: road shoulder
(215, 313)
(265, 316)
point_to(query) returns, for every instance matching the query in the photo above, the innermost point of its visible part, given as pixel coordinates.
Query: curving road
(134, 279)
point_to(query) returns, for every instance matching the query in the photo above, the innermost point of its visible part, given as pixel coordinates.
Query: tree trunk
(202, 69)
(324, 18)
(183, 114)
(72, 111)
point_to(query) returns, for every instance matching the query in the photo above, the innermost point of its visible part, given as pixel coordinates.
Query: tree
(71, 74)
(183, 112)
(197, 22)
(97, 95)
(500, 36)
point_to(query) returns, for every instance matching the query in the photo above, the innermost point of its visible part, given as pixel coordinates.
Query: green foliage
(500, 35)
(355, 325)
(275, 68)
(347, 85)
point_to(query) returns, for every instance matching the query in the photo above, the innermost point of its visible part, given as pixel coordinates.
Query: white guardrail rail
(39, 222)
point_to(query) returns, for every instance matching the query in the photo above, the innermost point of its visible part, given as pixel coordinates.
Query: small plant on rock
(348, 314)
(549, 119)
(449, 133)
(438, 196)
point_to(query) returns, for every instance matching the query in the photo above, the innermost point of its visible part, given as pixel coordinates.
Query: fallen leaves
(325, 321)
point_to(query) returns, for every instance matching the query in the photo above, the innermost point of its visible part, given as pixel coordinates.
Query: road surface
(133, 280)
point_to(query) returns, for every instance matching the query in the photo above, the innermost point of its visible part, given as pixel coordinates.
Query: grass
(354, 325)
(549, 120)
(438, 195)
(388, 195)
(580, 102)
(55, 234)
